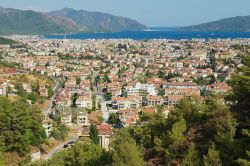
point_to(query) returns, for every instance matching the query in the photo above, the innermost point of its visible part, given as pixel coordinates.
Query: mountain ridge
(16, 21)
(230, 24)
(97, 21)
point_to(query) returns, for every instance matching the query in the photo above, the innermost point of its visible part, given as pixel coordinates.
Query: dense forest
(213, 131)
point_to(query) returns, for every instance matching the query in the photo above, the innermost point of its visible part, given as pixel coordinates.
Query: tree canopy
(20, 126)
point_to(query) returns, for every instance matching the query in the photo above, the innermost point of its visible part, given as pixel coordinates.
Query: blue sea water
(154, 34)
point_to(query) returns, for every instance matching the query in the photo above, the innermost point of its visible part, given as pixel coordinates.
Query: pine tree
(191, 158)
(177, 131)
(241, 83)
(125, 151)
(93, 133)
(20, 126)
(212, 158)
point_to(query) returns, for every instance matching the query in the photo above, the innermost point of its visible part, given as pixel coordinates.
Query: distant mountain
(98, 22)
(4, 41)
(234, 24)
(14, 21)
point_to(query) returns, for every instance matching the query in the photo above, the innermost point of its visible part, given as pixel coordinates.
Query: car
(65, 145)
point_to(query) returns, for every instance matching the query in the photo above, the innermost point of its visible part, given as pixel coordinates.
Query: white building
(48, 127)
(84, 101)
(142, 90)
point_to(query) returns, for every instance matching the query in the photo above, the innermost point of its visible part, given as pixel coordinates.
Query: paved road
(58, 149)
(57, 86)
(105, 111)
(99, 95)
(104, 107)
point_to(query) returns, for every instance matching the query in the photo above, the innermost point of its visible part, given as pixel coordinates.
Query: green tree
(212, 60)
(113, 118)
(160, 108)
(83, 153)
(93, 98)
(161, 92)
(8, 91)
(106, 78)
(50, 92)
(244, 162)
(191, 158)
(161, 73)
(107, 96)
(212, 158)
(78, 80)
(240, 83)
(86, 153)
(59, 131)
(177, 132)
(97, 80)
(20, 126)
(73, 99)
(125, 151)
(93, 134)
(20, 91)
(37, 86)
(240, 97)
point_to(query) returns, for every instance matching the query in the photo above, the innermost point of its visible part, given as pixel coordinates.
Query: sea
(154, 34)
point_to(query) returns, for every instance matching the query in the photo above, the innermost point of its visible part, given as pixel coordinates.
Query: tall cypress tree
(93, 133)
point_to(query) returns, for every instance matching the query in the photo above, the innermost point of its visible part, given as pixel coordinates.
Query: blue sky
(149, 12)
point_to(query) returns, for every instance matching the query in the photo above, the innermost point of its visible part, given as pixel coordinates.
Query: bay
(154, 34)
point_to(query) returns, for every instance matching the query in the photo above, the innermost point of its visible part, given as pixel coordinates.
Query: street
(58, 149)
(57, 86)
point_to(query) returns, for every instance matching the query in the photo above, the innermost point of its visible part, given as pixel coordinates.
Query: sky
(152, 13)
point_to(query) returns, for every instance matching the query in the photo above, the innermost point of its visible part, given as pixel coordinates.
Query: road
(105, 111)
(47, 111)
(104, 107)
(57, 149)
(99, 95)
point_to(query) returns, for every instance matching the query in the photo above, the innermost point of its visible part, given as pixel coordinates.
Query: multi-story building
(65, 115)
(122, 103)
(142, 90)
(154, 100)
(84, 101)
(81, 117)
